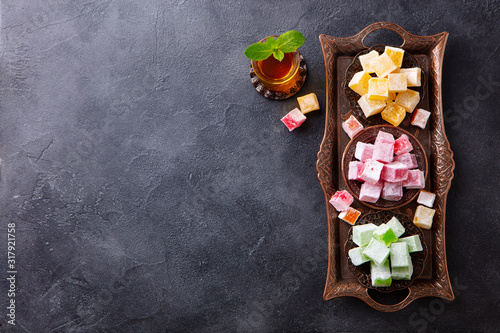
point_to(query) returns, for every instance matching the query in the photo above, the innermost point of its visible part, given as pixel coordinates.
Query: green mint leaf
(258, 51)
(278, 54)
(290, 41)
(272, 43)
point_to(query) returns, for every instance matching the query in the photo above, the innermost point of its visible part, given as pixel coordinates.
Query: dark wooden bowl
(362, 272)
(368, 135)
(409, 61)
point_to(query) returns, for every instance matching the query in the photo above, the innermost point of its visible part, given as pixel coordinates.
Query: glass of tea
(279, 79)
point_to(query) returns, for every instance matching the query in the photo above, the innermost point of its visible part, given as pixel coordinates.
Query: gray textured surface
(154, 190)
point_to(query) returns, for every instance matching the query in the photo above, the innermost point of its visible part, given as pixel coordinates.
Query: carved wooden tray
(338, 54)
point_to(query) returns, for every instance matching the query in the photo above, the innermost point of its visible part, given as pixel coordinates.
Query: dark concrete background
(154, 190)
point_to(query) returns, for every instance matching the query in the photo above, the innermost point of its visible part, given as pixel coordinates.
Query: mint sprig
(285, 43)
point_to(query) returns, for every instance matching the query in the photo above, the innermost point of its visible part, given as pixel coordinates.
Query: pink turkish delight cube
(420, 117)
(352, 126)
(293, 119)
(370, 192)
(392, 191)
(383, 149)
(394, 172)
(410, 160)
(355, 168)
(341, 200)
(364, 151)
(426, 198)
(415, 180)
(402, 145)
(371, 171)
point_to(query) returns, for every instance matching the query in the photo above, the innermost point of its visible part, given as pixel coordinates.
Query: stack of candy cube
(342, 201)
(385, 168)
(296, 117)
(424, 214)
(389, 255)
(387, 92)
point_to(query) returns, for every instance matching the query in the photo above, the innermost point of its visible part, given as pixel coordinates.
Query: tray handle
(388, 308)
(407, 37)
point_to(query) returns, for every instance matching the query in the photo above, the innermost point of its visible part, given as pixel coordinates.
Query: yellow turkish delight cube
(308, 103)
(383, 65)
(393, 113)
(413, 76)
(408, 99)
(359, 82)
(397, 82)
(392, 97)
(366, 60)
(378, 88)
(370, 106)
(424, 217)
(396, 54)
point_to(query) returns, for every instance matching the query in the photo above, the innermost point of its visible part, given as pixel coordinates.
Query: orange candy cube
(350, 215)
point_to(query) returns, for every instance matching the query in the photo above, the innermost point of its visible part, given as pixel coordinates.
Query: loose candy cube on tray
(352, 126)
(350, 215)
(420, 117)
(308, 103)
(424, 217)
(341, 200)
(426, 198)
(293, 119)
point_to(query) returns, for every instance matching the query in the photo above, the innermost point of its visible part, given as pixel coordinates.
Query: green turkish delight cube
(376, 251)
(396, 226)
(381, 274)
(400, 257)
(385, 234)
(357, 256)
(402, 273)
(414, 244)
(361, 234)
